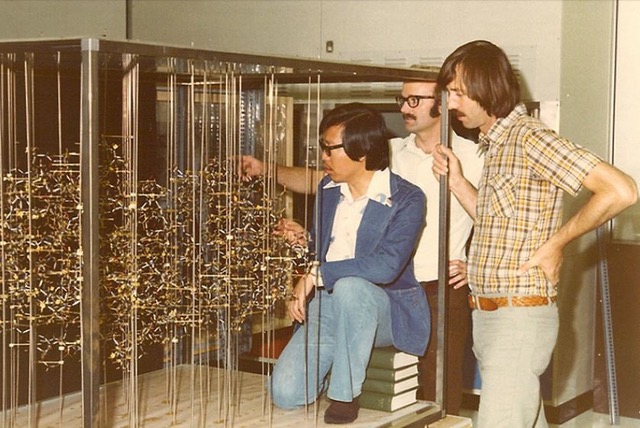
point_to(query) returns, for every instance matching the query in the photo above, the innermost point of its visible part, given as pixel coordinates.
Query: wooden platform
(249, 406)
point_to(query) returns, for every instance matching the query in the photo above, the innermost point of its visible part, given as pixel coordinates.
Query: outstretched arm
(294, 178)
(613, 191)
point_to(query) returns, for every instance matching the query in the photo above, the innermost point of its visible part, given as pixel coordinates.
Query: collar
(379, 189)
(413, 147)
(497, 130)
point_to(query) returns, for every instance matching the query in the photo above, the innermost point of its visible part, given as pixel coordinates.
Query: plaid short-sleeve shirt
(527, 169)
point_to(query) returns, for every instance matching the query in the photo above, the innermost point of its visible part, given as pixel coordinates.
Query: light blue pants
(342, 328)
(513, 347)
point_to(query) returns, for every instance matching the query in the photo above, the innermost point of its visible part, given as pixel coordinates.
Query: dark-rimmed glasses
(413, 100)
(327, 149)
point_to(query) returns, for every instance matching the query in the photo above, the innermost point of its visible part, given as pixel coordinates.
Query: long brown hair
(487, 74)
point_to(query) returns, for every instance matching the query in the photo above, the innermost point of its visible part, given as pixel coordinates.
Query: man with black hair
(364, 293)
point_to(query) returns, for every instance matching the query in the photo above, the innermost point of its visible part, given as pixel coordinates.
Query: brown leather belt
(493, 303)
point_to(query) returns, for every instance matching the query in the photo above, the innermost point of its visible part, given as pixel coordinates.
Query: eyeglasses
(327, 149)
(413, 100)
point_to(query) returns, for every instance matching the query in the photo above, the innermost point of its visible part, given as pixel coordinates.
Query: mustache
(408, 116)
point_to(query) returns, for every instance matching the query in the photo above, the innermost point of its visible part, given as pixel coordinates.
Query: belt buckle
(483, 303)
(476, 301)
(490, 304)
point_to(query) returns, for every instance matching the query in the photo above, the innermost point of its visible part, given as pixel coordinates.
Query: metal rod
(614, 415)
(90, 306)
(443, 267)
(290, 69)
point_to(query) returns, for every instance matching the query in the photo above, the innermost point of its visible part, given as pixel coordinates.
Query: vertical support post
(90, 306)
(610, 358)
(443, 267)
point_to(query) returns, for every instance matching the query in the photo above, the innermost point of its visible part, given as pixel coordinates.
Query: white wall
(396, 32)
(627, 90)
(626, 153)
(276, 27)
(34, 19)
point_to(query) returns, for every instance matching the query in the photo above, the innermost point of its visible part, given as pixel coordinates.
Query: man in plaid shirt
(516, 252)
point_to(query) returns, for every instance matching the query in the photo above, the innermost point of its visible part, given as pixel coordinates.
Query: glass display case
(130, 241)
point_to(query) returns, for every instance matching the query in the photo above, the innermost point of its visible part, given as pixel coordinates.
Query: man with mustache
(516, 251)
(412, 158)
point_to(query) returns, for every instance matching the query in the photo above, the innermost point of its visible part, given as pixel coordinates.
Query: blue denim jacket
(385, 244)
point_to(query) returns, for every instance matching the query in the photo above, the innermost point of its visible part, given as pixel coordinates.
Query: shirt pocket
(502, 195)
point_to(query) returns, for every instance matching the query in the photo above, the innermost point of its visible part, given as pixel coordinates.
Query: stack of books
(391, 382)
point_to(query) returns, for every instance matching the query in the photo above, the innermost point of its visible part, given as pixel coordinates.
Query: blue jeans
(513, 347)
(341, 329)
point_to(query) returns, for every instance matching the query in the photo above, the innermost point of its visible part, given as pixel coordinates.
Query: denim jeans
(513, 347)
(341, 329)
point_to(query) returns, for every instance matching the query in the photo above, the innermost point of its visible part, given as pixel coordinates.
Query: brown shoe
(342, 412)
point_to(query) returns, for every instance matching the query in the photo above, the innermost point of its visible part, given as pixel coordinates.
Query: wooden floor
(249, 407)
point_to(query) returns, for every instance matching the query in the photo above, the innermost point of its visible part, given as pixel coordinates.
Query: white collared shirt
(414, 165)
(349, 214)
